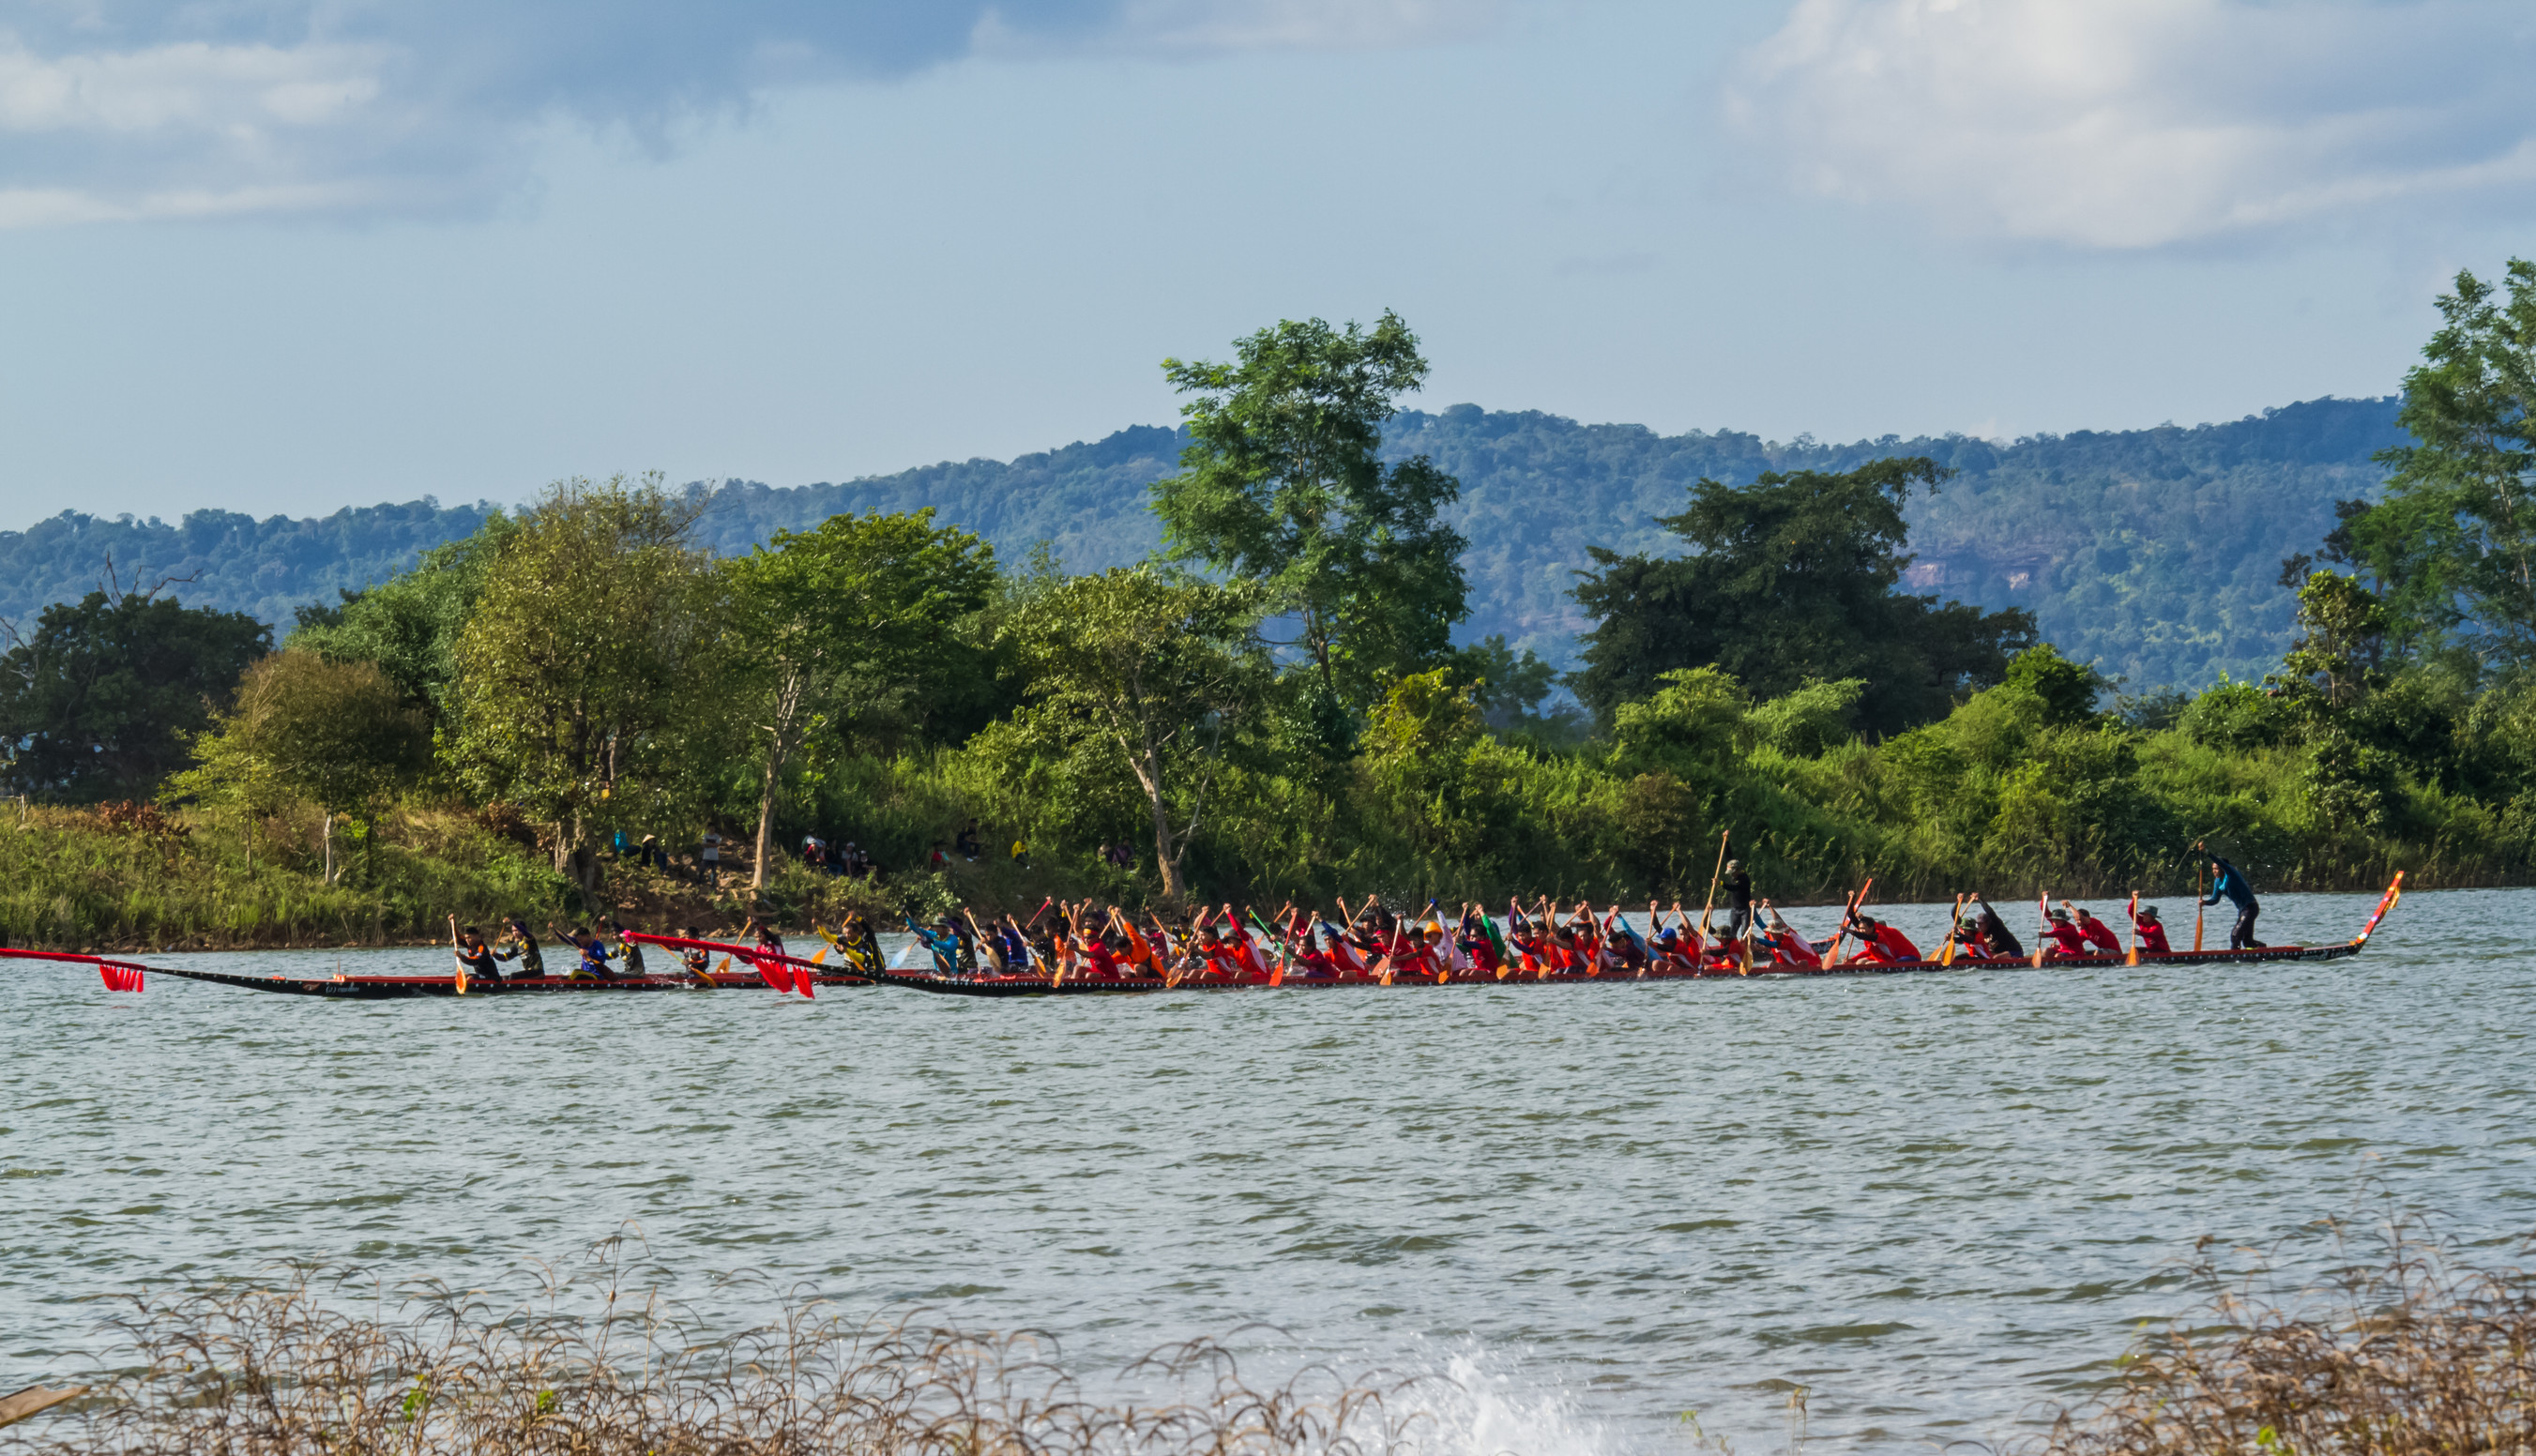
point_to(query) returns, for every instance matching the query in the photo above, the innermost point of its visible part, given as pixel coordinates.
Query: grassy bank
(80, 879)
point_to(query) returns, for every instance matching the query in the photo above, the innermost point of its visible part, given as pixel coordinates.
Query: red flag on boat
(781, 974)
(119, 977)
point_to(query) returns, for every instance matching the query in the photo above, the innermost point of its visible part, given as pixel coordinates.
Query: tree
(580, 657)
(339, 734)
(98, 702)
(409, 625)
(858, 623)
(1793, 579)
(1281, 483)
(2453, 542)
(1156, 668)
(2342, 639)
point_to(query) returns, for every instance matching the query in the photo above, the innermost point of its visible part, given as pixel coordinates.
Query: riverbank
(127, 880)
(120, 880)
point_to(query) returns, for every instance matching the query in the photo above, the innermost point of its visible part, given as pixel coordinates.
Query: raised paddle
(2132, 957)
(1946, 952)
(1715, 875)
(1848, 912)
(2042, 928)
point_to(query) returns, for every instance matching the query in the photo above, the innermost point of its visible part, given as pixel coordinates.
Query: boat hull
(1034, 986)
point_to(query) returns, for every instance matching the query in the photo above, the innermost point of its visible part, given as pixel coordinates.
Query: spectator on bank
(709, 860)
(966, 842)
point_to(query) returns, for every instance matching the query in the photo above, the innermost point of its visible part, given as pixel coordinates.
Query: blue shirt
(2231, 883)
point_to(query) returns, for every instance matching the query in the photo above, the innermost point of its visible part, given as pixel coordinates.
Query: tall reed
(288, 1368)
(2413, 1351)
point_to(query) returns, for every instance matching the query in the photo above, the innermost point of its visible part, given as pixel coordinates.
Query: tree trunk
(574, 861)
(778, 747)
(1167, 859)
(327, 834)
(766, 819)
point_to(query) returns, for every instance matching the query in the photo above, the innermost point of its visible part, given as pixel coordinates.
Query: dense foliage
(2149, 554)
(97, 701)
(1790, 580)
(591, 672)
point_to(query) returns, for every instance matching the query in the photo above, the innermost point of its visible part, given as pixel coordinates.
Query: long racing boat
(786, 973)
(1276, 979)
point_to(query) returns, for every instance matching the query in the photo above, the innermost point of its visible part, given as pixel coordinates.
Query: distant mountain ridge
(2153, 553)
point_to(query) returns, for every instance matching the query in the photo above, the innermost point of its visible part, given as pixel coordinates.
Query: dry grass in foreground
(283, 1371)
(2413, 1350)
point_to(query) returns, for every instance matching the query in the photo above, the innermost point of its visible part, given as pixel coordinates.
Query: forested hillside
(2153, 554)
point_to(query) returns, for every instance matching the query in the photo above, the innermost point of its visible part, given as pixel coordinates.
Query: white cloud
(129, 109)
(2141, 123)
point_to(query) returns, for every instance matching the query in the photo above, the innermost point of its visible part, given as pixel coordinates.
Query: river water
(1932, 1201)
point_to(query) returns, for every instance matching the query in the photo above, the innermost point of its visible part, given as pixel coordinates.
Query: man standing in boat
(2229, 882)
(1739, 900)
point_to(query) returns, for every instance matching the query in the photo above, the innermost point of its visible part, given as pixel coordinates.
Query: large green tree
(581, 661)
(865, 625)
(409, 625)
(97, 703)
(1793, 578)
(1153, 672)
(341, 735)
(1281, 482)
(2453, 539)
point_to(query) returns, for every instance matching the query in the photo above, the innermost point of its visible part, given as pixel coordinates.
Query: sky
(291, 255)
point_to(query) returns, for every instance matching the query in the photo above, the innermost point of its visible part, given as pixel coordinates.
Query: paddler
(523, 949)
(2066, 938)
(2151, 932)
(2228, 882)
(629, 953)
(1786, 947)
(594, 954)
(2099, 935)
(693, 958)
(2000, 941)
(1881, 943)
(475, 960)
